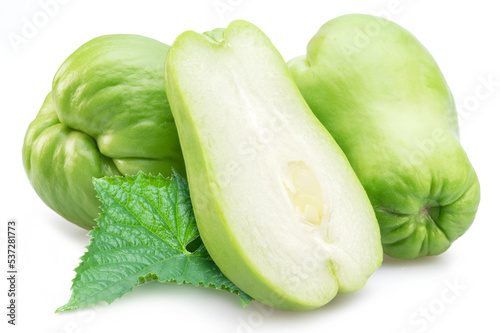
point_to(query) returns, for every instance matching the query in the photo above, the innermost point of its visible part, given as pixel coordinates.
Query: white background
(461, 35)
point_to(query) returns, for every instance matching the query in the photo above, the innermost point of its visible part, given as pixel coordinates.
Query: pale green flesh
(387, 104)
(277, 204)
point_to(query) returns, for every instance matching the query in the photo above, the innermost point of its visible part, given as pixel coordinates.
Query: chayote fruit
(383, 98)
(292, 225)
(107, 115)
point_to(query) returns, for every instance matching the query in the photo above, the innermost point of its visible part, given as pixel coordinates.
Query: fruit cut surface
(277, 204)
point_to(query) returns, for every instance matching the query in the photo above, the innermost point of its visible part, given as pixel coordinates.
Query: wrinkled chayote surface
(383, 98)
(107, 115)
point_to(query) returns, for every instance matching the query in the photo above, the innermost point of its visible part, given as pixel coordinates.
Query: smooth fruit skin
(244, 67)
(383, 98)
(107, 115)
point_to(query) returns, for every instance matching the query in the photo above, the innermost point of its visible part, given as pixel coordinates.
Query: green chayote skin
(107, 115)
(383, 98)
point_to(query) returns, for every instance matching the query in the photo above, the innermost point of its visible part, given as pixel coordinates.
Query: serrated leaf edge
(244, 299)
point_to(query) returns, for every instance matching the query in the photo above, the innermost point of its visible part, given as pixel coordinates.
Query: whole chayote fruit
(107, 115)
(389, 108)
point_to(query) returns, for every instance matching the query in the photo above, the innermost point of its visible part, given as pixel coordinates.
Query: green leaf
(147, 232)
